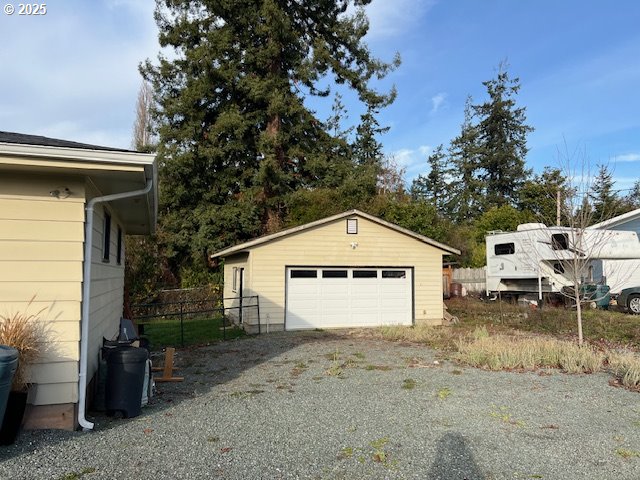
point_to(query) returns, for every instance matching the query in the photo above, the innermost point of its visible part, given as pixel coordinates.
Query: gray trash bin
(8, 365)
(125, 380)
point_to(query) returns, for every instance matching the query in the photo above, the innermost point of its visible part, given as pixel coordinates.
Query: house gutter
(86, 295)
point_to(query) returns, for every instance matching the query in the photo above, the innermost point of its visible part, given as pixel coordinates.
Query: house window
(106, 246)
(560, 241)
(119, 247)
(352, 226)
(504, 248)
(558, 268)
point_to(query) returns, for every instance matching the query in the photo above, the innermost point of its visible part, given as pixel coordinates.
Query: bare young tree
(565, 257)
(576, 246)
(143, 137)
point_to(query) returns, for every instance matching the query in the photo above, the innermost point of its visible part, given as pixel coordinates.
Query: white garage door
(348, 297)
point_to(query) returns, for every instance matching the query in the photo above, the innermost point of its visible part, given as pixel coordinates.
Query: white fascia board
(77, 154)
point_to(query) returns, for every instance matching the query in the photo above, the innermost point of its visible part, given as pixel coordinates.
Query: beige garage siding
(330, 245)
(41, 240)
(240, 260)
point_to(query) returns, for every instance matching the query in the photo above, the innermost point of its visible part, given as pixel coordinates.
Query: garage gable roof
(349, 213)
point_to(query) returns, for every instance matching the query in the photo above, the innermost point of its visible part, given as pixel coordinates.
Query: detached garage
(348, 270)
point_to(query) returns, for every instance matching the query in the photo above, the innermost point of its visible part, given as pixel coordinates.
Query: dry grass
(502, 352)
(626, 367)
(26, 333)
(504, 336)
(434, 336)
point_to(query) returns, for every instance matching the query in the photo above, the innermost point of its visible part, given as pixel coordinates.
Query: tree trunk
(579, 313)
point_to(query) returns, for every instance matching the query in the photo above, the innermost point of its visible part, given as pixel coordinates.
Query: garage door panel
(348, 297)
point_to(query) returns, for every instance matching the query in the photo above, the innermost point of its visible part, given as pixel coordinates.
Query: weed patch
(626, 453)
(503, 414)
(444, 393)
(409, 384)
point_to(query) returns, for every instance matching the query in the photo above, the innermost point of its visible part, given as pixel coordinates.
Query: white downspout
(86, 295)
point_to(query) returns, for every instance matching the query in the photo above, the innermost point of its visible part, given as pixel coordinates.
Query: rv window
(560, 241)
(558, 268)
(505, 249)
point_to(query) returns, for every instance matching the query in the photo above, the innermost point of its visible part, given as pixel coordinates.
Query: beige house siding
(330, 245)
(107, 284)
(41, 239)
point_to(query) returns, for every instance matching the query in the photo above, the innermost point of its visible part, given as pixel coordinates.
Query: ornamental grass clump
(503, 352)
(25, 332)
(626, 367)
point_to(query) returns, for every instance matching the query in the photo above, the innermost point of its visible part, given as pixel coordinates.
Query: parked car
(629, 300)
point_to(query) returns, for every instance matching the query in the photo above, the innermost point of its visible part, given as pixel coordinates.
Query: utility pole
(558, 208)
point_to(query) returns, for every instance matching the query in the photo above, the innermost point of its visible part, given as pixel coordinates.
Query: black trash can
(8, 365)
(125, 379)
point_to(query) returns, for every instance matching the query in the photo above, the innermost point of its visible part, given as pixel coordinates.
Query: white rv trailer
(620, 274)
(535, 258)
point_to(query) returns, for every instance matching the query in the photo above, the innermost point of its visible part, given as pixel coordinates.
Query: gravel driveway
(332, 406)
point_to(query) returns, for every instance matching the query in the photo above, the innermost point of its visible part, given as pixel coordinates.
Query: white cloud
(628, 157)
(82, 90)
(425, 149)
(438, 101)
(405, 157)
(390, 18)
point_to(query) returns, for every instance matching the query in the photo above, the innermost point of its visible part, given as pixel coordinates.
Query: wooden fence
(472, 279)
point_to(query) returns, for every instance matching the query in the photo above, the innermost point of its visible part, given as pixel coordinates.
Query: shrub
(25, 332)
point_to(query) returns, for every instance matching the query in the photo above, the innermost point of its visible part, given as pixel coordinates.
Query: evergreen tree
(464, 156)
(502, 140)
(604, 199)
(234, 135)
(539, 195)
(632, 199)
(367, 149)
(434, 186)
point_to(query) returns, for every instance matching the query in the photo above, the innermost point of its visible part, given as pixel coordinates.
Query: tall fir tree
(235, 137)
(502, 140)
(434, 186)
(604, 199)
(367, 148)
(464, 158)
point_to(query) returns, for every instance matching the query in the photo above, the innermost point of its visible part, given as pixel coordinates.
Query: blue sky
(72, 73)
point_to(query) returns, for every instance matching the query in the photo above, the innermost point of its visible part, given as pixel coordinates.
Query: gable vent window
(352, 226)
(106, 246)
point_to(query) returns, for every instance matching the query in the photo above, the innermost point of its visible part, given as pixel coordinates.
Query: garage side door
(348, 297)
